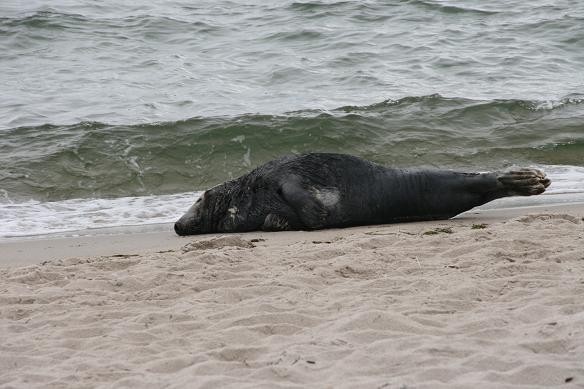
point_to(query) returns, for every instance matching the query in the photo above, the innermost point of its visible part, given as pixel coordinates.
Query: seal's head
(207, 213)
(191, 222)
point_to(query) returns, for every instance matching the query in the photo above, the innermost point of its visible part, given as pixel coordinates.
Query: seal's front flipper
(311, 212)
(523, 182)
(275, 222)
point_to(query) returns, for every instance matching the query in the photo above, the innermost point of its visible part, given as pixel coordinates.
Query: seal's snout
(179, 229)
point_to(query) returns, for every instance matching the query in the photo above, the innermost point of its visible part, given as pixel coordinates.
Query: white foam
(567, 187)
(547, 105)
(41, 218)
(565, 179)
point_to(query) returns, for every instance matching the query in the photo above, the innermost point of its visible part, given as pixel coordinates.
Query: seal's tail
(523, 182)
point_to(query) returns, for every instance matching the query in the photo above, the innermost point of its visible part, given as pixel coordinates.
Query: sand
(490, 300)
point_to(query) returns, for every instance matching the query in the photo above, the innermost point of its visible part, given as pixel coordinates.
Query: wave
(92, 159)
(44, 19)
(51, 19)
(450, 9)
(446, 102)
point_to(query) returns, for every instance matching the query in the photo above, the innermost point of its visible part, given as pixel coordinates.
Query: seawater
(121, 112)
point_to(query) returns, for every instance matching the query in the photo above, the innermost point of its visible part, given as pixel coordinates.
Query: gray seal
(318, 190)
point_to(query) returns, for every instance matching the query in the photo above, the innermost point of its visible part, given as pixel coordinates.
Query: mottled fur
(314, 191)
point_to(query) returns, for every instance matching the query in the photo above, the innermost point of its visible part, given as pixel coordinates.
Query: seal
(320, 190)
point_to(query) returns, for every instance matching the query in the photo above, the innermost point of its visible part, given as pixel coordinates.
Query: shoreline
(22, 251)
(94, 216)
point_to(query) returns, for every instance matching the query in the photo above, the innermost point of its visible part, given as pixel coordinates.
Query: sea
(119, 113)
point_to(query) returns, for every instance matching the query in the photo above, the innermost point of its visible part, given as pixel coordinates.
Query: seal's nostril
(177, 228)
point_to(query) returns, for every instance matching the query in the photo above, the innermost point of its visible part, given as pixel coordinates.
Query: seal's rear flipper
(522, 182)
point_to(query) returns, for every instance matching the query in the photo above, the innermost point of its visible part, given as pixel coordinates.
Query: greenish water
(104, 101)
(88, 159)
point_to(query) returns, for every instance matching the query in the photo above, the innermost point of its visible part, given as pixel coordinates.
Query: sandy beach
(492, 299)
